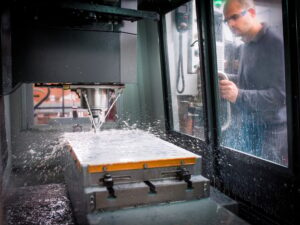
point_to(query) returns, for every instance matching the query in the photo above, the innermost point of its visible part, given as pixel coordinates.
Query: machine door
(185, 95)
(184, 72)
(251, 76)
(252, 82)
(246, 141)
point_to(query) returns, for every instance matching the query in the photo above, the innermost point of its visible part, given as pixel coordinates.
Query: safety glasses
(235, 17)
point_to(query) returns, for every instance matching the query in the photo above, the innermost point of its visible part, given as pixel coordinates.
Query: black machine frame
(267, 193)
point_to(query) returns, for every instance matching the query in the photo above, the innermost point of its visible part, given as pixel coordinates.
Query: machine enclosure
(70, 46)
(43, 55)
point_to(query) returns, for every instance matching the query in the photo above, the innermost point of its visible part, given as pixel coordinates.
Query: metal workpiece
(121, 177)
(128, 156)
(117, 169)
(118, 150)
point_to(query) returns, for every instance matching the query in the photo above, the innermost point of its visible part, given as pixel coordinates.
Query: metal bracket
(109, 183)
(92, 202)
(184, 174)
(151, 187)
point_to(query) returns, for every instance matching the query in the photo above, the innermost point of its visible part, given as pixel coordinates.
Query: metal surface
(99, 100)
(73, 56)
(103, 188)
(125, 176)
(198, 212)
(71, 86)
(90, 112)
(123, 13)
(115, 99)
(118, 147)
(6, 85)
(73, 45)
(133, 194)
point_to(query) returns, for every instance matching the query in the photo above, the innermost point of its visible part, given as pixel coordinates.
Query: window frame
(216, 157)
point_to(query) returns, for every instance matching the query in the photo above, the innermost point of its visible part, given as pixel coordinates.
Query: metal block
(134, 194)
(118, 169)
(122, 150)
(127, 195)
(173, 190)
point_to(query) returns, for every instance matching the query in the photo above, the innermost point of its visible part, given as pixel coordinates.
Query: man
(259, 92)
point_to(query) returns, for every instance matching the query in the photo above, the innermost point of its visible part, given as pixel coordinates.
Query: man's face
(239, 20)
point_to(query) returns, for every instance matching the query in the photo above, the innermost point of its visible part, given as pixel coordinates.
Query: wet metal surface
(122, 146)
(198, 212)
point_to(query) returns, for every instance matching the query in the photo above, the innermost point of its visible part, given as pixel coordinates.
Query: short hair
(246, 4)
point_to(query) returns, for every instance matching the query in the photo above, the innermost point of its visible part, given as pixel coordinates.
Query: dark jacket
(261, 80)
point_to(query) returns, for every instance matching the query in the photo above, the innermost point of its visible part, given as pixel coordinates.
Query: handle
(225, 126)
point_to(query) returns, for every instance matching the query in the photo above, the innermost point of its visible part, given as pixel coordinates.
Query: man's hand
(228, 90)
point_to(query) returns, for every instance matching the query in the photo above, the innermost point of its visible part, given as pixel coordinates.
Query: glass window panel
(250, 52)
(184, 70)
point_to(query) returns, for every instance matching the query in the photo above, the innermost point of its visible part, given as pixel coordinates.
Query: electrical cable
(12, 90)
(180, 68)
(36, 106)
